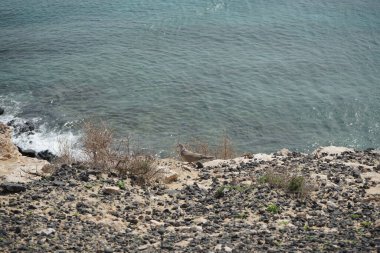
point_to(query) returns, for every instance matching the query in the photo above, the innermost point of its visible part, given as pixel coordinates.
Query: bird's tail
(207, 157)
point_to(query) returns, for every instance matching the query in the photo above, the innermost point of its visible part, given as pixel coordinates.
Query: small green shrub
(296, 184)
(242, 216)
(284, 180)
(355, 216)
(273, 208)
(222, 189)
(121, 184)
(366, 224)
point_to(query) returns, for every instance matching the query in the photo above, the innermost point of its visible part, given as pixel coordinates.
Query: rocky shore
(226, 206)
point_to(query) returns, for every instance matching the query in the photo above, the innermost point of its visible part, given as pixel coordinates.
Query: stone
(12, 187)
(46, 155)
(1, 111)
(47, 231)
(58, 183)
(109, 190)
(108, 250)
(143, 247)
(227, 249)
(27, 152)
(356, 173)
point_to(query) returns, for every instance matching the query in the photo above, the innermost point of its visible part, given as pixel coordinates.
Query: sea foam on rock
(14, 167)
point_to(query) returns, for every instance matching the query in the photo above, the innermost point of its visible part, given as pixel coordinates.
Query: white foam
(44, 138)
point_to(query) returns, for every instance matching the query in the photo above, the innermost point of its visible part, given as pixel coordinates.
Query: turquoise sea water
(271, 73)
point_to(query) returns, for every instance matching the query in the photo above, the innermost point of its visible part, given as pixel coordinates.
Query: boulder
(12, 187)
(27, 152)
(46, 155)
(14, 167)
(1, 111)
(111, 190)
(22, 127)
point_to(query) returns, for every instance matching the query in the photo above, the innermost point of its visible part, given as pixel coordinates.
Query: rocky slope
(224, 207)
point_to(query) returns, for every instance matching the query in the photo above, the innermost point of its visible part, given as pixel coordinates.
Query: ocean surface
(270, 73)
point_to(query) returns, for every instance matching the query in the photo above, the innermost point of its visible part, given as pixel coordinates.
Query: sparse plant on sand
(121, 184)
(366, 224)
(222, 189)
(273, 208)
(285, 180)
(243, 215)
(355, 216)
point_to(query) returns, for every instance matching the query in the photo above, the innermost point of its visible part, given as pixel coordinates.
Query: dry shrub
(66, 152)
(142, 167)
(222, 150)
(199, 146)
(225, 149)
(97, 145)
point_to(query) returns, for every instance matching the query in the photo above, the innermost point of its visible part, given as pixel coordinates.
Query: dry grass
(287, 181)
(102, 152)
(97, 145)
(142, 168)
(222, 150)
(66, 152)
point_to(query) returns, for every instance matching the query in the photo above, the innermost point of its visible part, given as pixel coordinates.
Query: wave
(40, 136)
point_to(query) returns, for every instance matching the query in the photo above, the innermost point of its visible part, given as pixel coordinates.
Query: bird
(191, 157)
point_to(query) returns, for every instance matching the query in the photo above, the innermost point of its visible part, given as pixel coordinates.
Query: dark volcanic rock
(22, 127)
(12, 187)
(27, 152)
(46, 155)
(1, 111)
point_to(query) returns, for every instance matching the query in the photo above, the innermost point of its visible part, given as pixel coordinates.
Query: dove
(191, 157)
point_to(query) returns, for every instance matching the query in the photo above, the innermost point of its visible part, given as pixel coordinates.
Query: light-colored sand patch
(373, 190)
(21, 169)
(372, 176)
(331, 150)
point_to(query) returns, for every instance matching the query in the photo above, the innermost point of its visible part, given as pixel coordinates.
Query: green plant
(296, 184)
(355, 216)
(224, 188)
(121, 184)
(88, 186)
(366, 224)
(242, 216)
(284, 223)
(284, 180)
(273, 208)
(306, 227)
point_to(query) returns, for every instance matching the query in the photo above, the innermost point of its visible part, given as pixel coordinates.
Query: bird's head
(180, 146)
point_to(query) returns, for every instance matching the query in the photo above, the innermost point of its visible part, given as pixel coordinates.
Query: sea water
(269, 73)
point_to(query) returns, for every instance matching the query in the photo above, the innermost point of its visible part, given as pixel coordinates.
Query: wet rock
(46, 155)
(22, 127)
(27, 152)
(1, 111)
